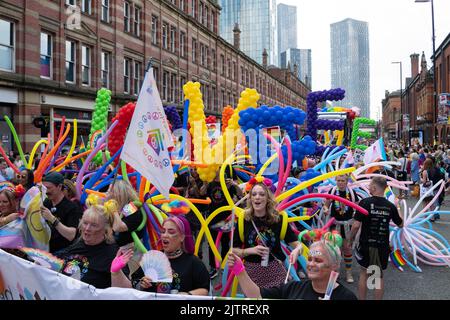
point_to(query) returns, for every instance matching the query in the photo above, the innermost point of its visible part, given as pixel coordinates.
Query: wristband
(238, 267)
(117, 264)
(55, 223)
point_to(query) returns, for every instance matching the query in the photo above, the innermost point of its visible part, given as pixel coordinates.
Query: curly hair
(272, 216)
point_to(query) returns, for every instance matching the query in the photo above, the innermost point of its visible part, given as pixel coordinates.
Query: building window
(126, 16)
(222, 99)
(182, 83)
(242, 75)
(106, 61)
(194, 50)
(206, 16)
(173, 88)
(86, 6)
(200, 12)
(156, 75)
(234, 70)
(222, 63)
(214, 60)
(229, 68)
(105, 10)
(211, 21)
(137, 21)
(183, 5)
(137, 77)
(70, 2)
(7, 50)
(194, 8)
(182, 44)
(46, 55)
(165, 85)
(165, 30)
(173, 34)
(154, 30)
(85, 65)
(208, 62)
(202, 54)
(214, 100)
(70, 61)
(126, 75)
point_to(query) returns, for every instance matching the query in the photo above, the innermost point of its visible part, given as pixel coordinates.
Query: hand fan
(156, 266)
(44, 258)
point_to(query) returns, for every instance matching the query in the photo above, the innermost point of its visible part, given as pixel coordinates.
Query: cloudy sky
(397, 28)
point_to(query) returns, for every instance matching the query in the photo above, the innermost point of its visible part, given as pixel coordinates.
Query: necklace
(174, 254)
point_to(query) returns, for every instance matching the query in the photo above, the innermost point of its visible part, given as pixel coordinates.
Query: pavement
(433, 283)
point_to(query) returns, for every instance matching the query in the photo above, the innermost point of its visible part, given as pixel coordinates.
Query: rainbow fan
(43, 258)
(176, 207)
(397, 259)
(156, 266)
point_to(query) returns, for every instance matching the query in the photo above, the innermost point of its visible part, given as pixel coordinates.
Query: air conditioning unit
(43, 99)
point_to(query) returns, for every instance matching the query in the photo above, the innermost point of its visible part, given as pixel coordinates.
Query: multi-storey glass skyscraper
(257, 21)
(350, 63)
(287, 28)
(301, 58)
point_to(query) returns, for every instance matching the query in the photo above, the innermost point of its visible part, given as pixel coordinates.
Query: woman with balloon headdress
(324, 259)
(89, 258)
(261, 246)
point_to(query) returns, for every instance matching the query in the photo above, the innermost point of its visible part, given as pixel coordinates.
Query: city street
(432, 284)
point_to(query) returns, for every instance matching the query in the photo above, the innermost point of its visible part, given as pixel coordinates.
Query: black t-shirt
(339, 210)
(375, 226)
(304, 290)
(188, 271)
(133, 221)
(271, 235)
(215, 193)
(94, 262)
(69, 214)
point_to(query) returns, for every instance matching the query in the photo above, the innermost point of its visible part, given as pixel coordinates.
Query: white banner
(24, 280)
(148, 138)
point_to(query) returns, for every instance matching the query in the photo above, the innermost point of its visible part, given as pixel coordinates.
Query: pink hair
(185, 229)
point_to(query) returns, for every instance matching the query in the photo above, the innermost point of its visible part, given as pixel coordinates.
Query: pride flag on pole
(148, 139)
(375, 152)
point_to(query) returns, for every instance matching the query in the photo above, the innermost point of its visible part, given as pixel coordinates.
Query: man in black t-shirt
(62, 214)
(343, 216)
(373, 249)
(323, 259)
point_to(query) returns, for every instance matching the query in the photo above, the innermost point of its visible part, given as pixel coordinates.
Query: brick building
(390, 124)
(54, 57)
(417, 102)
(443, 87)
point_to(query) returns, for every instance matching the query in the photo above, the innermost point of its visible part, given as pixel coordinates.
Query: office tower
(299, 61)
(287, 28)
(257, 22)
(350, 63)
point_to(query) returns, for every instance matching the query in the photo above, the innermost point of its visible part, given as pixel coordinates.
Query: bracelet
(55, 223)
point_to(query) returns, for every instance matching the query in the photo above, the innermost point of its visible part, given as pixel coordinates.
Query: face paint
(315, 253)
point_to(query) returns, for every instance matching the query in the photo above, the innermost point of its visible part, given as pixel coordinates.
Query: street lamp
(434, 66)
(401, 94)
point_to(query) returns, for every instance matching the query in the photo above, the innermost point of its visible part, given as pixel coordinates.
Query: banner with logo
(24, 280)
(149, 138)
(444, 109)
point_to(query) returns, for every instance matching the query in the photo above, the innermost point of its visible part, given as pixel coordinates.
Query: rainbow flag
(397, 259)
(388, 194)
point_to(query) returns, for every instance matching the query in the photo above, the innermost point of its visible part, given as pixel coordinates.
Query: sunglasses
(23, 176)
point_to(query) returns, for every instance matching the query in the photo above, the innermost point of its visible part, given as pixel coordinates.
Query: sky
(397, 29)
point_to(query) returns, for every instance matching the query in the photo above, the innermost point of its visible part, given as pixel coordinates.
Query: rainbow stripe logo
(397, 259)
